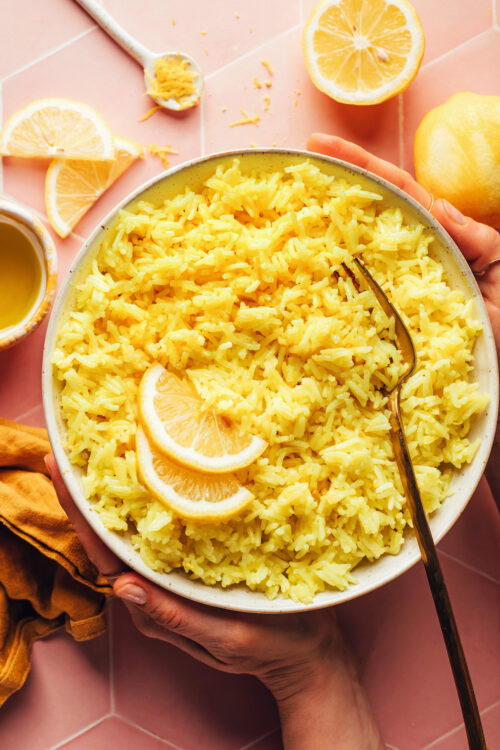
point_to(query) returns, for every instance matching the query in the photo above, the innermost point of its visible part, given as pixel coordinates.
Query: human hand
(479, 243)
(301, 657)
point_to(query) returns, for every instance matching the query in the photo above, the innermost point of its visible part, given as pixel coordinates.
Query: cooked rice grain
(233, 287)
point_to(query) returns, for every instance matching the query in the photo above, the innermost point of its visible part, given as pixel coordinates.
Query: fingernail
(132, 593)
(453, 213)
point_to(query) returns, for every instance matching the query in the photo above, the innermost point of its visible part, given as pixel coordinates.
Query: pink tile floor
(122, 690)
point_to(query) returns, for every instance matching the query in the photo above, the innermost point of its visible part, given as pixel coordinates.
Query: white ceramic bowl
(369, 575)
(16, 215)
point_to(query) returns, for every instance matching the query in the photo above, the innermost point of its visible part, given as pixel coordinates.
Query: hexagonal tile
(112, 733)
(395, 633)
(37, 28)
(66, 690)
(475, 538)
(21, 365)
(296, 107)
(232, 29)
(165, 691)
(472, 67)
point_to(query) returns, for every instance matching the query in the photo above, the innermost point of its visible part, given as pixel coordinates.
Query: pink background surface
(123, 690)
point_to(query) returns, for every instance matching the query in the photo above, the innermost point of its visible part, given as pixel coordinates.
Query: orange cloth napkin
(46, 578)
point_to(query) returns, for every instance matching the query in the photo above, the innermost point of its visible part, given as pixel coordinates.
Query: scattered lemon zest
(257, 84)
(267, 102)
(150, 112)
(203, 33)
(224, 109)
(173, 21)
(236, 15)
(161, 152)
(251, 29)
(247, 120)
(206, 50)
(269, 83)
(173, 79)
(265, 62)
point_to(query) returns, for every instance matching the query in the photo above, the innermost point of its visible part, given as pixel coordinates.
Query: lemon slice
(49, 128)
(72, 186)
(174, 420)
(363, 51)
(190, 494)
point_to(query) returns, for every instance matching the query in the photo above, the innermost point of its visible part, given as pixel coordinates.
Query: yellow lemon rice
(233, 286)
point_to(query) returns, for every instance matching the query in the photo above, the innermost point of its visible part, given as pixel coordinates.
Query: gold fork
(428, 551)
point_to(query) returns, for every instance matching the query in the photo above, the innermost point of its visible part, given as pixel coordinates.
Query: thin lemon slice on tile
(191, 494)
(72, 186)
(173, 417)
(49, 128)
(363, 51)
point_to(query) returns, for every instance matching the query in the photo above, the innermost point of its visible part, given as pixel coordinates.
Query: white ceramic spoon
(145, 57)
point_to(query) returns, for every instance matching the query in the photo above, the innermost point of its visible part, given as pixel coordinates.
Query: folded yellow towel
(46, 578)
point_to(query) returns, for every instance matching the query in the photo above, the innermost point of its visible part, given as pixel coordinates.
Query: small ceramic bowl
(369, 575)
(32, 228)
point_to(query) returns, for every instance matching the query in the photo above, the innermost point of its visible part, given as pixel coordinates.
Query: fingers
(173, 613)
(479, 243)
(332, 145)
(104, 560)
(149, 628)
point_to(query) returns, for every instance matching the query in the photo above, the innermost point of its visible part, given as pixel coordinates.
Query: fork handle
(468, 703)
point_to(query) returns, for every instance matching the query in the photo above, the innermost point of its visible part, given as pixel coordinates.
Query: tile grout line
(401, 131)
(451, 51)
(458, 727)
(28, 413)
(48, 54)
(202, 126)
(80, 732)
(252, 51)
(131, 723)
(258, 739)
(469, 567)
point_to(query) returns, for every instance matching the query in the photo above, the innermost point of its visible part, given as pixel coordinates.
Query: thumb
(478, 242)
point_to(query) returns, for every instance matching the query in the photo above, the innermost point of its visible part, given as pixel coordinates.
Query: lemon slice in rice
(191, 494)
(175, 422)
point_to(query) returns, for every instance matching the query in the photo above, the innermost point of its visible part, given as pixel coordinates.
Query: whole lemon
(457, 154)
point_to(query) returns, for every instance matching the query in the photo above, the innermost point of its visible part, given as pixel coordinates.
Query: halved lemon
(173, 417)
(49, 128)
(191, 494)
(363, 51)
(72, 186)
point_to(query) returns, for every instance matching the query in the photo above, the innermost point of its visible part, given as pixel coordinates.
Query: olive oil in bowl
(20, 274)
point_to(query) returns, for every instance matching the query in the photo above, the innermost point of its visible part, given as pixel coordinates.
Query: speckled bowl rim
(240, 598)
(23, 216)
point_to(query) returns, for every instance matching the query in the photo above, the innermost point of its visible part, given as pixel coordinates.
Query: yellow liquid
(20, 275)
